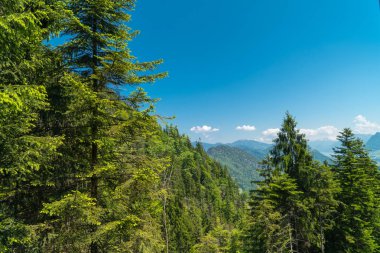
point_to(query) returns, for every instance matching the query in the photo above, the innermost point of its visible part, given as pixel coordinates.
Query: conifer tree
(95, 120)
(357, 225)
(98, 51)
(292, 212)
(26, 153)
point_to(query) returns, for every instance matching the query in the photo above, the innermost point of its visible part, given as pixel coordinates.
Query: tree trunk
(94, 132)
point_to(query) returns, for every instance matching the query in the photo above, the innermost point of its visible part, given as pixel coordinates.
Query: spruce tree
(101, 130)
(289, 210)
(98, 51)
(357, 225)
(26, 153)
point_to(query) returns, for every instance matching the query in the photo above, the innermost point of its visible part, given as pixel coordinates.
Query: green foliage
(24, 24)
(274, 207)
(14, 235)
(357, 224)
(98, 48)
(73, 216)
(242, 160)
(201, 195)
(294, 206)
(218, 240)
(241, 165)
(83, 169)
(25, 157)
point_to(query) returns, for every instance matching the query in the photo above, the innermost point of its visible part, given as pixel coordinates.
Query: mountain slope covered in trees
(241, 165)
(84, 169)
(243, 158)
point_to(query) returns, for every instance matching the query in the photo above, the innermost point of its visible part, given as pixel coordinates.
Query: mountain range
(242, 157)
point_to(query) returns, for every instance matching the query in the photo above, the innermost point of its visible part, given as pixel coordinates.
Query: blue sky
(246, 62)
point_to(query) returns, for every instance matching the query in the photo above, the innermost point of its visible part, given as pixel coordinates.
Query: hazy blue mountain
(250, 144)
(207, 146)
(257, 149)
(364, 137)
(325, 147)
(320, 149)
(373, 144)
(320, 157)
(241, 165)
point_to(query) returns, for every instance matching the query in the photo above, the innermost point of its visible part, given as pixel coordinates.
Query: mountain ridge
(242, 159)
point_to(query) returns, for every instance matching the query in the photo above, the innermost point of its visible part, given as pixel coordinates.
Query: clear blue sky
(246, 62)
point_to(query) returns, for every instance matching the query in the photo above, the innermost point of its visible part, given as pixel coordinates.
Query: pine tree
(290, 153)
(24, 25)
(290, 212)
(95, 118)
(357, 222)
(273, 208)
(26, 153)
(25, 164)
(98, 51)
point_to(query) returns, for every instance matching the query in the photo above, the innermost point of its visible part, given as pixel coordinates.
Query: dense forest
(86, 168)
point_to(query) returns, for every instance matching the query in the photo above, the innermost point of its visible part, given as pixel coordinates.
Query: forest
(87, 168)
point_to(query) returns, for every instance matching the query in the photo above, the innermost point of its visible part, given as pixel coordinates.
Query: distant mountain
(321, 150)
(373, 144)
(241, 165)
(250, 144)
(364, 137)
(242, 158)
(207, 146)
(320, 157)
(325, 147)
(257, 149)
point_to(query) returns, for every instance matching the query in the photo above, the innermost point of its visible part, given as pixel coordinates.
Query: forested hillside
(242, 159)
(84, 169)
(203, 204)
(241, 165)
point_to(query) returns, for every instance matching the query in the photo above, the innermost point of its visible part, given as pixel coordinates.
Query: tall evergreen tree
(357, 224)
(98, 55)
(26, 154)
(294, 212)
(290, 153)
(98, 51)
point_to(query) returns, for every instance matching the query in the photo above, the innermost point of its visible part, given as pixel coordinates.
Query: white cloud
(364, 126)
(203, 129)
(321, 134)
(271, 132)
(318, 134)
(246, 128)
